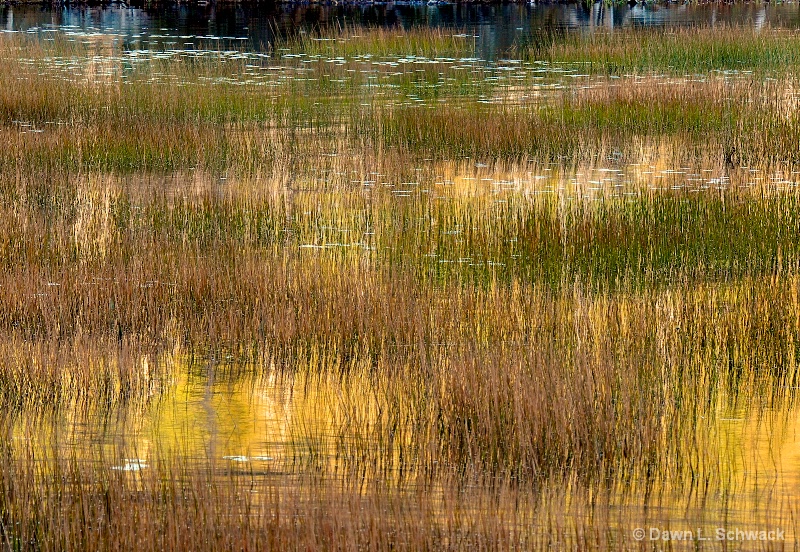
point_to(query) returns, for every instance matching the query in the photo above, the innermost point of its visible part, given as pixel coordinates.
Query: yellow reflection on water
(273, 424)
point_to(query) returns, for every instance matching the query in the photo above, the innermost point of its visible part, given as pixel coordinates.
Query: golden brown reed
(495, 358)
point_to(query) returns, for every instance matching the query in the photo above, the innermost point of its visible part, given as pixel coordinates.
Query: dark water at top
(498, 27)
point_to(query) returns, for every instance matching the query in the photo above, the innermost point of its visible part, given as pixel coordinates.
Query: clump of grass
(48, 375)
(705, 120)
(382, 42)
(698, 49)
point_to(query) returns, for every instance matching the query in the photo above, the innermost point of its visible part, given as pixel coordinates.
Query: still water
(497, 27)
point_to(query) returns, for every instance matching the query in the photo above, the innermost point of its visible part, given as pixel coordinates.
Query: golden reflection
(271, 424)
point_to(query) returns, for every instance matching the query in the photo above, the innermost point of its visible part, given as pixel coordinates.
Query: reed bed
(674, 50)
(378, 42)
(222, 113)
(501, 315)
(182, 508)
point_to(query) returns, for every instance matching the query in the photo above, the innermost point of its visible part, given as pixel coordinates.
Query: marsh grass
(215, 113)
(475, 354)
(381, 42)
(697, 49)
(574, 324)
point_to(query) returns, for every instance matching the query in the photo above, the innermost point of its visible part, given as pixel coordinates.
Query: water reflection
(271, 428)
(210, 413)
(498, 27)
(244, 414)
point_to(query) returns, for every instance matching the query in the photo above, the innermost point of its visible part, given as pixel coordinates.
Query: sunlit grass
(485, 311)
(673, 50)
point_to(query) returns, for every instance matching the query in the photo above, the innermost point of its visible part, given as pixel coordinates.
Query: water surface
(498, 27)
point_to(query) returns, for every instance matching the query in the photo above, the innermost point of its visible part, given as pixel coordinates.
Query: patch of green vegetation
(693, 50)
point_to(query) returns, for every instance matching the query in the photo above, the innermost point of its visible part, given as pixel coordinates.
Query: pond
(498, 27)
